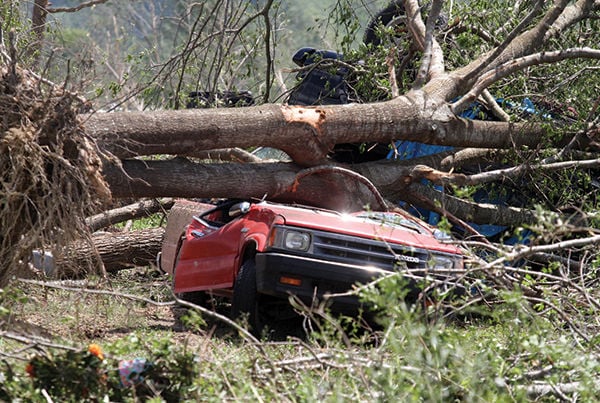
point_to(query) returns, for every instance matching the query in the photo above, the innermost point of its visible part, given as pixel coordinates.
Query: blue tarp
(406, 150)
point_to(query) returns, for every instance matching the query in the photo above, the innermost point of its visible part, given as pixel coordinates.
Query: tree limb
(480, 213)
(506, 69)
(571, 15)
(432, 62)
(514, 172)
(424, 39)
(306, 134)
(76, 8)
(509, 38)
(140, 209)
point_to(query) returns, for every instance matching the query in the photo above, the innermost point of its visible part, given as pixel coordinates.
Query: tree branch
(136, 210)
(424, 39)
(506, 69)
(571, 15)
(432, 62)
(481, 213)
(509, 38)
(77, 8)
(514, 172)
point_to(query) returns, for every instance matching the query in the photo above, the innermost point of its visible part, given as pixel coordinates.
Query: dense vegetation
(502, 353)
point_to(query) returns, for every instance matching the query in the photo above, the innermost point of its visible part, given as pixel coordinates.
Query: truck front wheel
(245, 302)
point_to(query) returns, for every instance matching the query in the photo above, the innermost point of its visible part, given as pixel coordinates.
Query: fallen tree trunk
(306, 134)
(116, 251)
(180, 177)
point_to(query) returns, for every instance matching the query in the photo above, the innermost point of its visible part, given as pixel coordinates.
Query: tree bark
(38, 22)
(180, 177)
(116, 250)
(396, 180)
(306, 134)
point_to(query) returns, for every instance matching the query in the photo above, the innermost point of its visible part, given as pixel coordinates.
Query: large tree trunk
(180, 177)
(307, 134)
(117, 251)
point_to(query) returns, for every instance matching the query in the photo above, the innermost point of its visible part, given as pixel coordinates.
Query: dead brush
(50, 171)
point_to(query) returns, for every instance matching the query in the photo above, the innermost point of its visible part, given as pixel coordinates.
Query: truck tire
(383, 18)
(245, 302)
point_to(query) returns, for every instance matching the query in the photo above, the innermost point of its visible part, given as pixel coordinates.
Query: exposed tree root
(50, 171)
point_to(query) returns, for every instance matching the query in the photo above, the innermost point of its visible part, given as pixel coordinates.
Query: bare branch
(538, 390)
(77, 8)
(524, 251)
(431, 53)
(571, 15)
(343, 171)
(414, 23)
(234, 154)
(494, 107)
(475, 212)
(427, 44)
(390, 61)
(509, 38)
(469, 156)
(514, 172)
(136, 210)
(506, 69)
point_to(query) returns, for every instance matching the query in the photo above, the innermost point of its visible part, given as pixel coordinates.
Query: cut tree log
(117, 251)
(106, 251)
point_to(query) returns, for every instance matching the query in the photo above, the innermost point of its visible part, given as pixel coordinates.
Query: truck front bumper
(282, 275)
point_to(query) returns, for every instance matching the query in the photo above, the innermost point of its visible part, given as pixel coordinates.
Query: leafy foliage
(498, 352)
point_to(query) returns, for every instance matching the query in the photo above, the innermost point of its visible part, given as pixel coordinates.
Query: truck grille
(360, 251)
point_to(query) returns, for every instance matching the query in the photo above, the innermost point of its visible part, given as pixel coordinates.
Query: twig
(99, 292)
(46, 396)
(540, 389)
(527, 251)
(34, 341)
(562, 314)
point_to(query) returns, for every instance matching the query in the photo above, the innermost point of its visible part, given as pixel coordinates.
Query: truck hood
(394, 227)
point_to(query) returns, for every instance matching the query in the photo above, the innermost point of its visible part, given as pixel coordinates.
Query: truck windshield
(392, 220)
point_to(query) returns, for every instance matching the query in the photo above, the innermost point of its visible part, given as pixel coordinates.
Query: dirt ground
(135, 301)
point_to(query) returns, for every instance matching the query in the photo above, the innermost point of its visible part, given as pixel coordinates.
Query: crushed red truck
(258, 251)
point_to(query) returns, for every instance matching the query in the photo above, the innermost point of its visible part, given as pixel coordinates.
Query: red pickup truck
(255, 251)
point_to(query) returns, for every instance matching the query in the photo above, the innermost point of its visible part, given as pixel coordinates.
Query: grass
(495, 355)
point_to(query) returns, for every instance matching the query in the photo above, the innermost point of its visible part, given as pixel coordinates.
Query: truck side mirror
(239, 209)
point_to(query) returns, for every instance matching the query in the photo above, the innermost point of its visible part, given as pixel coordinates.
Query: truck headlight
(297, 240)
(441, 262)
